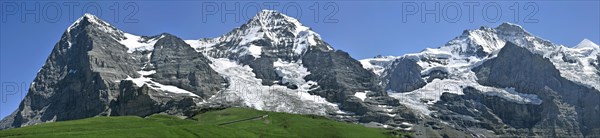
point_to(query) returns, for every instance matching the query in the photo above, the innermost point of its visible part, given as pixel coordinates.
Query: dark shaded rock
(597, 64)
(134, 101)
(404, 76)
(565, 105)
(338, 75)
(144, 101)
(488, 112)
(436, 74)
(509, 28)
(263, 68)
(565, 59)
(178, 64)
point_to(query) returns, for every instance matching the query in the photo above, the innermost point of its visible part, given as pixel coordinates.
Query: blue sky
(362, 28)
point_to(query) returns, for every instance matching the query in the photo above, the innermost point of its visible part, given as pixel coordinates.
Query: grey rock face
(477, 110)
(404, 76)
(339, 77)
(263, 68)
(568, 109)
(76, 80)
(144, 101)
(338, 74)
(177, 64)
(436, 74)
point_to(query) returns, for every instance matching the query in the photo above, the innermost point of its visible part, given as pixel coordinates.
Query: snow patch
(255, 51)
(143, 80)
(361, 95)
(437, 53)
(137, 43)
(378, 64)
(420, 99)
(291, 72)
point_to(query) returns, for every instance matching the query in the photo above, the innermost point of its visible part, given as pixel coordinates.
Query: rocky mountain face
(566, 105)
(500, 81)
(194, 75)
(92, 72)
(404, 76)
(283, 53)
(492, 82)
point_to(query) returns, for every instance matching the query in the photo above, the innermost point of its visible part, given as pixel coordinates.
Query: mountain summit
(586, 43)
(267, 33)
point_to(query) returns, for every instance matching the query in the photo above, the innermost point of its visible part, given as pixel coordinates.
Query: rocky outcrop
(475, 110)
(177, 64)
(403, 76)
(338, 74)
(144, 101)
(340, 77)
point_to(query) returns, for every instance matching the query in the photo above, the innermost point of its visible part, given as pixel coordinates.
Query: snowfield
(244, 87)
(378, 64)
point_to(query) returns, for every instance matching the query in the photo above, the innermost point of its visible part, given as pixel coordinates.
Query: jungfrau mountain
(501, 81)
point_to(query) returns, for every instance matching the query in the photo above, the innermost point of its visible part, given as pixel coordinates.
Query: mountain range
(498, 82)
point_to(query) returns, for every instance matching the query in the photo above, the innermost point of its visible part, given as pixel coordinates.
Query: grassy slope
(202, 125)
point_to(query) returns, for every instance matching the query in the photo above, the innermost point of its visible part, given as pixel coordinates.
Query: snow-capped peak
(269, 32)
(586, 44)
(275, 22)
(274, 19)
(88, 18)
(132, 42)
(507, 27)
(268, 14)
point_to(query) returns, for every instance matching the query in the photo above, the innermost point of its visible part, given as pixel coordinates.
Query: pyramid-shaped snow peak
(269, 32)
(586, 43)
(90, 19)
